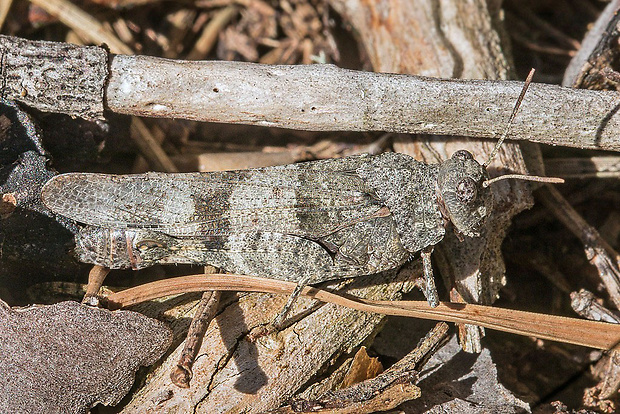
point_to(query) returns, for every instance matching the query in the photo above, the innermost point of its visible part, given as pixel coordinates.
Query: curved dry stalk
(556, 328)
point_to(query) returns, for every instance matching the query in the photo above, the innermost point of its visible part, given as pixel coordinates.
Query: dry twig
(597, 250)
(324, 97)
(556, 328)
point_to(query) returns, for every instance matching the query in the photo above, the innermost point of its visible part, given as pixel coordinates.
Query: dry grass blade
(85, 25)
(557, 328)
(150, 148)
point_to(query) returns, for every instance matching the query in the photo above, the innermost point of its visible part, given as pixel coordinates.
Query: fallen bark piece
(385, 391)
(457, 382)
(362, 368)
(67, 357)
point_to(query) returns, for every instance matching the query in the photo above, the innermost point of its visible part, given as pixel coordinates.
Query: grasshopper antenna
(538, 179)
(526, 85)
(551, 180)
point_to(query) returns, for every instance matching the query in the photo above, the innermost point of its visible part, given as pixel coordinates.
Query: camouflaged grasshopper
(307, 223)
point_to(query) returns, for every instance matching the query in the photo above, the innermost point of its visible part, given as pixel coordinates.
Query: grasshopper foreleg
(430, 291)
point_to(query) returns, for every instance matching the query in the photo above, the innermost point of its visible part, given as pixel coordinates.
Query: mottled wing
(307, 199)
(367, 247)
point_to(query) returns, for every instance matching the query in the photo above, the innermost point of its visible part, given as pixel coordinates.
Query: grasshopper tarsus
(278, 322)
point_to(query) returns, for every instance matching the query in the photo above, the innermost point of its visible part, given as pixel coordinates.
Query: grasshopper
(307, 223)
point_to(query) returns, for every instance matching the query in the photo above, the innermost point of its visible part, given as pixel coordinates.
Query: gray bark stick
(59, 77)
(54, 77)
(325, 97)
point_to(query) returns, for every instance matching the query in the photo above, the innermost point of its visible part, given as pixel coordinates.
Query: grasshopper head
(465, 201)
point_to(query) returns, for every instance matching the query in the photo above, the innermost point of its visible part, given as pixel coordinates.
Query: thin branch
(556, 328)
(598, 252)
(313, 97)
(325, 97)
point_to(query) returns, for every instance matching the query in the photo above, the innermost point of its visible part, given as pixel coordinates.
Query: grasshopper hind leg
(96, 277)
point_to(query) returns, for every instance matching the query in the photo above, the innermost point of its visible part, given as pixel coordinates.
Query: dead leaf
(68, 357)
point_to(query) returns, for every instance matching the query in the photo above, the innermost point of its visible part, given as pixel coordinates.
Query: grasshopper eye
(466, 190)
(144, 245)
(462, 155)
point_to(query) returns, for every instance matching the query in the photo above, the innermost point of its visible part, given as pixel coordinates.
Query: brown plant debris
(67, 357)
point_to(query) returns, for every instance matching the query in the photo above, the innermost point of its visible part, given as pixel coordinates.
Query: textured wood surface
(54, 77)
(236, 372)
(328, 98)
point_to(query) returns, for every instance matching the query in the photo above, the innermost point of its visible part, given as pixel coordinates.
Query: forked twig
(207, 306)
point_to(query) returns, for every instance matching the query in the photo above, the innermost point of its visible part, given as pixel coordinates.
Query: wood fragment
(598, 53)
(362, 367)
(608, 371)
(241, 160)
(215, 161)
(384, 392)
(586, 305)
